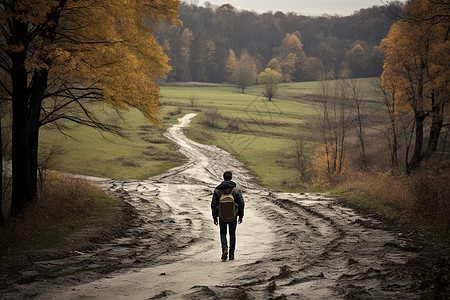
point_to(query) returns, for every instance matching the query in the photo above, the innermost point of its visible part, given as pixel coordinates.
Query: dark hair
(227, 175)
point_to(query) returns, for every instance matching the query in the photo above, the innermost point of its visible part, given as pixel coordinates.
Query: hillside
(200, 48)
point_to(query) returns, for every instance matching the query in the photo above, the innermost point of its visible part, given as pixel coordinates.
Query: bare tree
(398, 128)
(333, 113)
(301, 160)
(355, 93)
(438, 11)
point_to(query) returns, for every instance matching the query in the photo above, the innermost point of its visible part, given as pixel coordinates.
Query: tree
(274, 64)
(333, 113)
(244, 73)
(270, 79)
(290, 55)
(357, 60)
(206, 60)
(417, 66)
(185, 54)
(61, 55)
(355, 92)
(397, 125)
(434, 12)
(327, 38)
(313, 70)
(230, 65)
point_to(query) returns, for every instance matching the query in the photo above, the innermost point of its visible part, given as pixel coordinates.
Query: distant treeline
(332, 46)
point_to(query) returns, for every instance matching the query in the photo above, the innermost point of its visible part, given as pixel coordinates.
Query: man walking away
(227, 205)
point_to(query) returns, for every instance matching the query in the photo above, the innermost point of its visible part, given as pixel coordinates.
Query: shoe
(224, 253)
(231, 254)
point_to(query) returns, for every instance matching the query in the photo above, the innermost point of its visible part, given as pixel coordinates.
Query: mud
(290, 246)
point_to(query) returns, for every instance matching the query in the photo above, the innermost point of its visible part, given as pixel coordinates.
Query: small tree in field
(244, 72)
(270, 79)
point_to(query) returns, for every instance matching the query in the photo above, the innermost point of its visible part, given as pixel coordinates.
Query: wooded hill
(327, 46)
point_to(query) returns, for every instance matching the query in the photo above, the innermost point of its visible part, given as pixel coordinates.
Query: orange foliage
(417, 60)
(105, 44)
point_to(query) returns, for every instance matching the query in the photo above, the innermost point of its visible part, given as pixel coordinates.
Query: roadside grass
(420, 201)
(66, 205)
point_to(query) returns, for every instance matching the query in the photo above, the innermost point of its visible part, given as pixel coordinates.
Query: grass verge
(65, 206)
(421, 201)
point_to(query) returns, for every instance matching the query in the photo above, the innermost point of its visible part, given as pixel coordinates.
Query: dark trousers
(223, 233)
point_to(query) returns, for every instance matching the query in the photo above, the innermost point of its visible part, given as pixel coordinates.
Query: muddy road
(289, 246)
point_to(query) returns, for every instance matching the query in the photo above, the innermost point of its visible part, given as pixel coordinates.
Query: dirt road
(289, 246)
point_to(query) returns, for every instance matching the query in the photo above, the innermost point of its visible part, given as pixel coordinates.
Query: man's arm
(214, 206)
(241, 203)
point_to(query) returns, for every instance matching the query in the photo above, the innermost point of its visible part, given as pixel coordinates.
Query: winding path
(289, 245)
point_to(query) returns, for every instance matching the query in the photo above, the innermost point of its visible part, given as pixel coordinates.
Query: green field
(256, 131)
(142, 152)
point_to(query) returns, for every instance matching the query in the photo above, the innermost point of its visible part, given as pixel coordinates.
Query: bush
(211, 118)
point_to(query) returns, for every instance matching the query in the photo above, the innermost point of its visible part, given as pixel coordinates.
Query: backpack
(227, 207)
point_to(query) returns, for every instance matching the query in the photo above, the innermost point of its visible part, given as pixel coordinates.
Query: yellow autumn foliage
(103, 44)
(417, 60)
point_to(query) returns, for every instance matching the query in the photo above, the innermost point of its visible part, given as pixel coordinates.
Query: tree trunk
(1, 175)
(37, 94)
(435, 132)
(22, 193)
(394, 160)
(437, 110)
(361, 138)
(417, 155)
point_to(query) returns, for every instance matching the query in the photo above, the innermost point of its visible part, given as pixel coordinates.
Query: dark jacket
(225, 188)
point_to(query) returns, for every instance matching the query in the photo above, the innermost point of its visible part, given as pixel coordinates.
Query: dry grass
(65, 204)
(431, 193)
(421, 199)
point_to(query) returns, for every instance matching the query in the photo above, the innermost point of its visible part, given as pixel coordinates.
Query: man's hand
(240, 220)
(215, 222)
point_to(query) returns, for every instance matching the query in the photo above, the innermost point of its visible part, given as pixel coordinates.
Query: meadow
(258, 132)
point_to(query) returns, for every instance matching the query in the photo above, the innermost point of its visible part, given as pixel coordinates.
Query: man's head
(227, 175)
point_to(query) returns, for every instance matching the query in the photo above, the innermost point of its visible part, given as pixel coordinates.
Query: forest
(325, 47)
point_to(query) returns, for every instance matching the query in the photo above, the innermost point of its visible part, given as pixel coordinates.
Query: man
(227, 187)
